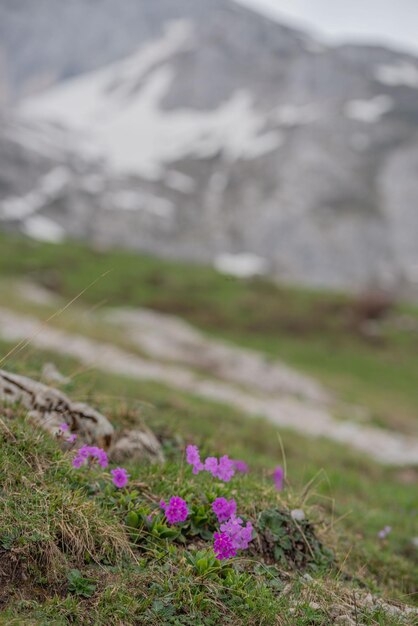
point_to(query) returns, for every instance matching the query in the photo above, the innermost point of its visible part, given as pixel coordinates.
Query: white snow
(91, 97)
(178, 36)
(50, 186)
(244, 265)
(40, 138)
(368, 111)
(120, 107)
(43, 229)
(400, 74)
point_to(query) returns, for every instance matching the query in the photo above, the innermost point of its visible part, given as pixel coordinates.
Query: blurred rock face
(199, 129)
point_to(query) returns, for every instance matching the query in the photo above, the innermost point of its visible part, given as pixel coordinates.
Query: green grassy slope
(347, 497)
(311, 330)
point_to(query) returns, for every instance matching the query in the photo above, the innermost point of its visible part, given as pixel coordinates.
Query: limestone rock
(49, 408)
(137, 445)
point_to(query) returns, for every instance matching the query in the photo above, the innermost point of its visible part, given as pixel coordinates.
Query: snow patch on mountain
(44, 229)
(368, 111)
(120, 109)
(243, 265)
(50, 186)
(398, 74)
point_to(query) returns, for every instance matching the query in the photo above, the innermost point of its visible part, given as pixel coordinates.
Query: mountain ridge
(238, 136)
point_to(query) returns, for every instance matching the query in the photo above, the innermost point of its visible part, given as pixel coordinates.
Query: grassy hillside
(56, 520)
(67, 554)
(315, 331)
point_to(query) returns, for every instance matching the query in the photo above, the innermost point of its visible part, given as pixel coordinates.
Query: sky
(391, 22)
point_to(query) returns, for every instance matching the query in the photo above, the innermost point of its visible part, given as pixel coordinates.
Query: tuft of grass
(47, 522)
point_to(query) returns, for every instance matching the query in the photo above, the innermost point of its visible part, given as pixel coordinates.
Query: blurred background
(262, 137)
(198, 172)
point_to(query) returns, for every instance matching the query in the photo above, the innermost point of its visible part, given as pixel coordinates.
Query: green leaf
(132, 519)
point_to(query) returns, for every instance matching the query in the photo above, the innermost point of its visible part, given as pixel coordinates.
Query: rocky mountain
(200, 129)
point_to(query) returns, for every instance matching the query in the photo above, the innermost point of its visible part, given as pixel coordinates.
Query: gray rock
(48, 408)
(137, 445)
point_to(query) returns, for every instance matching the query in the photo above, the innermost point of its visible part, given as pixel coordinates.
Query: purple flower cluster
(90, 452)
(222, 468)
(176, 510)
(223, 508)
(193, 458)
(240, 466)
(120, 477)
(239, 534)
(234, 536)
(223, 546)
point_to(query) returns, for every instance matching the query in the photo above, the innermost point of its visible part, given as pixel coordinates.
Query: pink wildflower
(382, 534)
(224, 509)
(222, 469)
(101, 457)
(72, 438)
(241, 466)
(239, 535)
(225, 469)
(176, 510)
(193, 458)
(85, 452)
(63, 427)
(211, 465)
(120, 477)
(278, 477)
(77, 462)
(223, 547)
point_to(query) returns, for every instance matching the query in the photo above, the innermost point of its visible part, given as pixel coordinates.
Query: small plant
(205, 563)
(290, 541)
(7, 540)
(79, 585)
